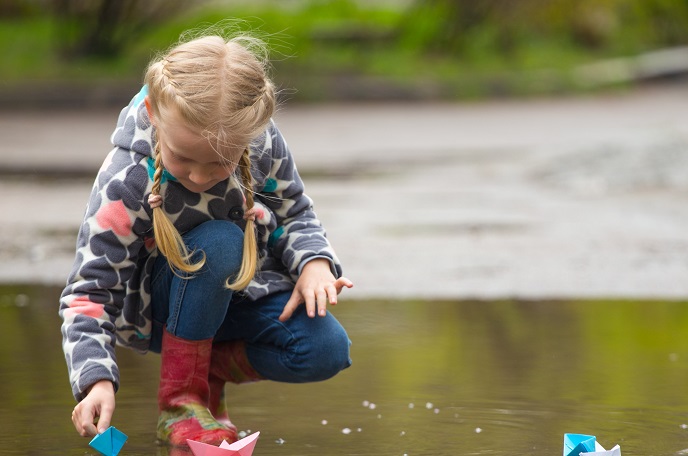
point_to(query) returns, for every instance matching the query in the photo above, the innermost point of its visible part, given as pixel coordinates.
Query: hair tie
(252, 213)
(154, 201)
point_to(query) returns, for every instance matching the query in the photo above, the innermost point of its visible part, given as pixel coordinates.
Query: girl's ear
(149, 109)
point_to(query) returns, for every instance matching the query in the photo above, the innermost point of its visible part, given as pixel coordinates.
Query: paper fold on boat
(586, 445)
(109, 442)
(243, 447)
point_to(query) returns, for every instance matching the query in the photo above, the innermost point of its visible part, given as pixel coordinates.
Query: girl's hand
(316, 287)
(96, 407)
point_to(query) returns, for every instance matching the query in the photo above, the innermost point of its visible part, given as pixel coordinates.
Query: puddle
(429, 378)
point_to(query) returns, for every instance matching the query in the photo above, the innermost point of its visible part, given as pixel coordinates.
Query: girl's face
(190, 157)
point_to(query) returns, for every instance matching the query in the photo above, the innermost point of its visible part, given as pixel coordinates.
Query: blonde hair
(220, 87)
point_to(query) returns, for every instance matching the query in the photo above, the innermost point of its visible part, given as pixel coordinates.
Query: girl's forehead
(175, 129)
(195, 143)
(179, 137)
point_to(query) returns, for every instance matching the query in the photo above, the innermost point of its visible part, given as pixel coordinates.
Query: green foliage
(24, 53)
(31, 53)
(449, 48)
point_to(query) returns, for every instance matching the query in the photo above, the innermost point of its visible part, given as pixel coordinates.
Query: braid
(249, 259)
(220, 88)
(157, 176)
(170, 86)
(167, 238)
(167, 78)
(246, 178)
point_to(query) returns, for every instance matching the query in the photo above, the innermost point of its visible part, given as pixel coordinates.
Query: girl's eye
(177, 157)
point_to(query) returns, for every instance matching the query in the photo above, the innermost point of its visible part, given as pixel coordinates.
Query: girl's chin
(197, 188)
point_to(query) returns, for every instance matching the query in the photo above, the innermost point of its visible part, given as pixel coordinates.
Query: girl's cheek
(177, 171)
(223, 173)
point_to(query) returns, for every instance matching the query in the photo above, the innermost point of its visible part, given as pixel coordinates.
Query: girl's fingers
(332, 293)
(322, 302)
(83, 422)
(342, 282)
(104, 419)
(294, 301)
(315, 300)
(310, 303)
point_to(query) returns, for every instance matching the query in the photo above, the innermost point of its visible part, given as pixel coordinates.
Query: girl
(198, 243)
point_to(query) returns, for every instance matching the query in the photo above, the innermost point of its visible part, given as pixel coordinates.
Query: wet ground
(521, 271)
(582, 197)
(440, 378)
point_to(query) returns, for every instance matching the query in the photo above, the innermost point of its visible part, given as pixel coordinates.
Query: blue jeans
(301, 349)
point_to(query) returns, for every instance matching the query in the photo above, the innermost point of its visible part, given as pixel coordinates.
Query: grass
(26, 48)
(315, 47)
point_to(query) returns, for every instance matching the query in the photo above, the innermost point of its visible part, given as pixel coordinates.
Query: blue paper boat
(586, 445)
(575, 444)
(109, 442)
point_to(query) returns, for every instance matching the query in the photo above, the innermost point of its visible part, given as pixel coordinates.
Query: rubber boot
(228, 363)
(184, 392)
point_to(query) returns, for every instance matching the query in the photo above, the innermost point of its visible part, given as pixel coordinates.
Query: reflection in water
(429, 378)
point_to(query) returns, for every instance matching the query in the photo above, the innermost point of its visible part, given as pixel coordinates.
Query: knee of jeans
(326, 357)
(221, 242)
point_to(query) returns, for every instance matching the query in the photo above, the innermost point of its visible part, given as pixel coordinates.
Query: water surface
(429, 378)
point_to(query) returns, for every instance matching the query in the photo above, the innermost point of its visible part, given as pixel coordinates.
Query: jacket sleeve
(299, 236)
(107, 246)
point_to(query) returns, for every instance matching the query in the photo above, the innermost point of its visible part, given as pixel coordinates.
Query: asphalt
(563, 198)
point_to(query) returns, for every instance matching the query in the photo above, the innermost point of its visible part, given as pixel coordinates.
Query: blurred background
(505, 181)
(348, 49)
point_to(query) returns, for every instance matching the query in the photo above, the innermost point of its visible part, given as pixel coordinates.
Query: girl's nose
(200, 177)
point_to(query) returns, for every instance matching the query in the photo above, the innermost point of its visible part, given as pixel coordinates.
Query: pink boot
(184, 392)
(228, 363)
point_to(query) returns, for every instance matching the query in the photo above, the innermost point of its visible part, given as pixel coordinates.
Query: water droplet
(478, 430)
(403, 433)
(21, 300)
(366, 403)
(323, 422)
(428, 405)
(411, 405)
(346, 431)
(436, 411)
(379, 416)
(359, 430)
(684, 426)
(372, 406)
(242, 434)
(279, 441)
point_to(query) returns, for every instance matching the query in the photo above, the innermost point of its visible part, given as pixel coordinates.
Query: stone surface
(531, 199)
